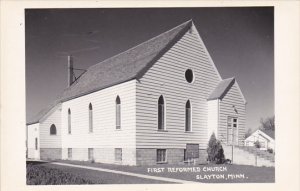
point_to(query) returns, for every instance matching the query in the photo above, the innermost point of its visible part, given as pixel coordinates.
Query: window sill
(188, 131)
(118, 129)
(162, 162)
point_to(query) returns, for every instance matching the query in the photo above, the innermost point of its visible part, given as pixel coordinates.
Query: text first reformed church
(157, 102)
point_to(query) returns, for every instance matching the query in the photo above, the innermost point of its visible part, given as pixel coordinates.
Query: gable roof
(265, 133)
(36, 118)
(270, 133)
(222, 88)
(126, 66)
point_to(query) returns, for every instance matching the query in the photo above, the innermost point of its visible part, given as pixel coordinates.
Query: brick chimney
(70, 71)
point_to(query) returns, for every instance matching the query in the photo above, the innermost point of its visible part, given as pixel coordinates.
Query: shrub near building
(215, 150)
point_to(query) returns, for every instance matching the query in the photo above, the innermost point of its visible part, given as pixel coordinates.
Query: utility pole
(256, 157)
(70, 71)
(256, 138)
(232, 141)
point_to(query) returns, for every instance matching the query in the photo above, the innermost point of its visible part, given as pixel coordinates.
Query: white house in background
(266, 138)
(157, 102)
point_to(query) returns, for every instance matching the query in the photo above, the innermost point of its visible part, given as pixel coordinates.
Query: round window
(189, 75)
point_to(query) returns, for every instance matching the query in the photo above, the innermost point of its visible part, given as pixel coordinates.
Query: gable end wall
(232, 98)
(167, 77)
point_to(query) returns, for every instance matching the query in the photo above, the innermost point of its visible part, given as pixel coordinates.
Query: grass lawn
(41, 174)
(44, 173)
(230, 173)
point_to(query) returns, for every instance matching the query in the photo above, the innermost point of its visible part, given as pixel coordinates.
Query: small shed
(266, 138)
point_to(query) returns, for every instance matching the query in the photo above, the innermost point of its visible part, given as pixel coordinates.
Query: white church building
(157, 102)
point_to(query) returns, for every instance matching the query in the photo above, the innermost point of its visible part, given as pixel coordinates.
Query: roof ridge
(267, 132)
(221, 89)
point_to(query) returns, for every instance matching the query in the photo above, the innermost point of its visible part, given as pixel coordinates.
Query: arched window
(69, 121)
(118, 113)
(90, 118)
(52, 130)
(188, 116)
(161, 113)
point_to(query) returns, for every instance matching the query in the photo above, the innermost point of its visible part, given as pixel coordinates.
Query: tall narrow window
(118, 113)
(161, 113)
(188, 116)
(36, 143)
(52, 130)
(90, 118)
(69, 121)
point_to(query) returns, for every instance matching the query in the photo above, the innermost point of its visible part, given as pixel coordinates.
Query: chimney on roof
(70, 71)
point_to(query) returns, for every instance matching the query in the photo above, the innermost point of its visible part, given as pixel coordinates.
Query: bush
(257, 144)
(215, 150)
(41, 175)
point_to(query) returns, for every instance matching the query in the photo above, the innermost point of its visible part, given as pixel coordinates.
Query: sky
(240, 41)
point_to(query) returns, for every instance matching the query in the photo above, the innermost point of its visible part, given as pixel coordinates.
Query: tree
(268, 123)
(215, 150)
(248, 133)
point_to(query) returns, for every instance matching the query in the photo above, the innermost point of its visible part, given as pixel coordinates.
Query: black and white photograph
(152, 95)
(109, 95)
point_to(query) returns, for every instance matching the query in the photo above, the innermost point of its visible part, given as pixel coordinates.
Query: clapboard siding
(167, 77)
(232, 98)
(104, 133)
(47, 140)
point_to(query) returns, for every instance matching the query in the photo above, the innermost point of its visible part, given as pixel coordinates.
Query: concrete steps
(243, 157)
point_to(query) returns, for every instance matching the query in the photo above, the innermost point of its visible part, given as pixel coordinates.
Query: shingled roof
(222, 88)
(128, 65)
